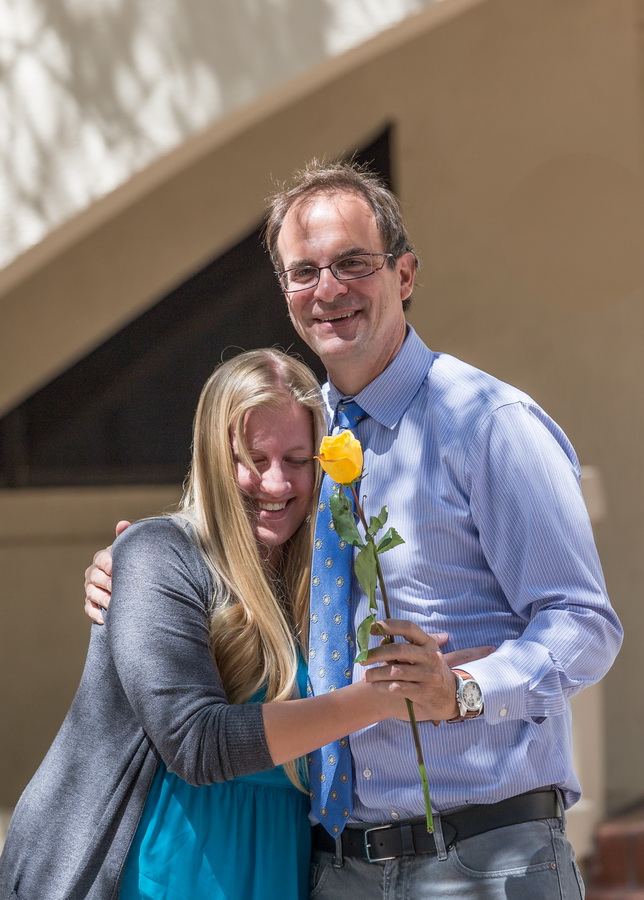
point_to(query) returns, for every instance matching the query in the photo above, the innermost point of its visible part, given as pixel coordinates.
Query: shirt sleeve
(534, 529)
(158, 633)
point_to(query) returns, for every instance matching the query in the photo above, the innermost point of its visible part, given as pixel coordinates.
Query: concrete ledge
(36, 515)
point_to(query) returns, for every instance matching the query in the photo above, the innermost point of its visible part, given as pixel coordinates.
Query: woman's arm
(295, 727)
(158, 633)
(299, 726)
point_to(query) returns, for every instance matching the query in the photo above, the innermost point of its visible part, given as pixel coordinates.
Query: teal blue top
(245, 839)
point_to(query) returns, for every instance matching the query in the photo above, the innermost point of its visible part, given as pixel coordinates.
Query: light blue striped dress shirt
(484, 488)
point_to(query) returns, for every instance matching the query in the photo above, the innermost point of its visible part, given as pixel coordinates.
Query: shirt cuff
(510, 692)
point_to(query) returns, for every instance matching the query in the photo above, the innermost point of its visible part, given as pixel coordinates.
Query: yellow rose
(341, 457)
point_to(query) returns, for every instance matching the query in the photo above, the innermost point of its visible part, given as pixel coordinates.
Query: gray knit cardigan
(149, 689)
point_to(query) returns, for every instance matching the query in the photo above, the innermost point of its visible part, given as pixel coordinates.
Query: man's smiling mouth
(337, 318)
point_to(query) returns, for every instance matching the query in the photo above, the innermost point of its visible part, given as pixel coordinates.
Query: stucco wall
(93, 92)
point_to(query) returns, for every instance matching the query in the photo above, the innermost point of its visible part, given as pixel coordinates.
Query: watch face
(471, 694)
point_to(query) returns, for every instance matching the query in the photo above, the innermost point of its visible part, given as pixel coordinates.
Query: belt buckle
(367, 845)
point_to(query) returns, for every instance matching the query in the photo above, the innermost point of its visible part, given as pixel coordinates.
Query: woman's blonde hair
(258, 617)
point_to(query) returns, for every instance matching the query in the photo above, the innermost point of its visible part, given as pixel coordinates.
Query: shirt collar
(388, 396)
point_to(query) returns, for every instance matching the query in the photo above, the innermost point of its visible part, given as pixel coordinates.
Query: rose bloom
(341, 457)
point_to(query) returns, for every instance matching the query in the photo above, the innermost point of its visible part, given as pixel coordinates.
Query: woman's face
(280, 444)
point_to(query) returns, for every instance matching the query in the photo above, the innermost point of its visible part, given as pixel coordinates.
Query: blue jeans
(530, 861)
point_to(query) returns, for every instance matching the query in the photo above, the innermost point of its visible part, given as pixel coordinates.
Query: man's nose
(329, 287)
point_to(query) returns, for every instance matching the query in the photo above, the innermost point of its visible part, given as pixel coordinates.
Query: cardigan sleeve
(157, 629)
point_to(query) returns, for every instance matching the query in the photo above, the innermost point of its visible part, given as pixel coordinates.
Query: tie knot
(348, 414)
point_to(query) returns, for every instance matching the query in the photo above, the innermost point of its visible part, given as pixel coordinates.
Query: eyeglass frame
(385, 257)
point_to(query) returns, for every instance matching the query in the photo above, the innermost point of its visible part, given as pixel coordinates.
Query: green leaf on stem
(344, 519)
(390, 539)
(365, 570)
(377, 522)
(362, 638)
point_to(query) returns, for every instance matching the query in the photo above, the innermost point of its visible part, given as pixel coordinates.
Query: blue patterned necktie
(331, 646)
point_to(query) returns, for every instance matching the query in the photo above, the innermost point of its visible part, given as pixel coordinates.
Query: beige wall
(47, 539)
(517, 145)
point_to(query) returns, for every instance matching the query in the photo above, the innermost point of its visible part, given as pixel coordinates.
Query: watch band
(469, 713)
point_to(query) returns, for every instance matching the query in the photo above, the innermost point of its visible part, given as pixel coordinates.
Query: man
(484, 488)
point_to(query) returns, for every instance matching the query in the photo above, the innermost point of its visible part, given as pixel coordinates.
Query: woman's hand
(98, 580)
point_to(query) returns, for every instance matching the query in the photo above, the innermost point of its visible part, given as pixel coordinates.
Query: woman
(168, 808)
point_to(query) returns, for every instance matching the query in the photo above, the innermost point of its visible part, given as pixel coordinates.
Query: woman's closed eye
(262, 462)
(300, 460)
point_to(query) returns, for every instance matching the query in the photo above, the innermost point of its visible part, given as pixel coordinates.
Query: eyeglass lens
(303, 277)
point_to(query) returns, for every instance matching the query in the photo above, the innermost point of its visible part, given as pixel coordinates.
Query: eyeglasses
(302, 278)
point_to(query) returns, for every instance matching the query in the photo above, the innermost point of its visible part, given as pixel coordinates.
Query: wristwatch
(469, 696)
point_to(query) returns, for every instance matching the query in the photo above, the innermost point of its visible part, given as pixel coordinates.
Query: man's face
(355, 327)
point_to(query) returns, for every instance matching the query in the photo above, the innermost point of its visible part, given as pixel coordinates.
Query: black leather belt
(380, 842)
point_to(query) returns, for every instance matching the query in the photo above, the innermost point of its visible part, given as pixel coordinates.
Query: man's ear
(407, 270)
